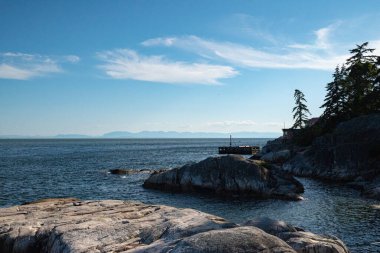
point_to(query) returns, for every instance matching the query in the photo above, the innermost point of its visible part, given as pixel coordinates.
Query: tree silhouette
(354, 91)
(335, 98)
(300, 110)
(360, 55)
(362, 73)
(373, 98)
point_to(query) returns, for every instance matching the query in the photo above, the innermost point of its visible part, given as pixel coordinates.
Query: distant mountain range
(174, 134)
(153, 134)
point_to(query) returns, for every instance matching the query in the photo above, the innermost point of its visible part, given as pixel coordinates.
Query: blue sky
(90, 67)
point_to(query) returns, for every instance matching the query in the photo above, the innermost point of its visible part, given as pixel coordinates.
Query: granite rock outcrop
(74, 226)
(230, 175)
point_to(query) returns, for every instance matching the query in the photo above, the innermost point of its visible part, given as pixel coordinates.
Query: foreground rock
(298, 239)
(69, 225)
(230, 175)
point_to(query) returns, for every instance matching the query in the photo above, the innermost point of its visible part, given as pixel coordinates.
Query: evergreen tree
(335, 97)
(300, 110)
(362, 72)
(373, 98)
(360, 55)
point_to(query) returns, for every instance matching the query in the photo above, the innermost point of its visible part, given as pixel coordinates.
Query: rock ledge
(70, 225)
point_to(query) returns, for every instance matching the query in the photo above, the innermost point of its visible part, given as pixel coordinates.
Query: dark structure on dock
(239, 150)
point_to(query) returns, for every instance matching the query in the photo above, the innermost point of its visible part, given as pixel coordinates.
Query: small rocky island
(73, 226)
(230, 175)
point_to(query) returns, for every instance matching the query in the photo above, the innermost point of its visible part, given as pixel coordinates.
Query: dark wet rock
(350, 154)
(351, 151)
(372, 189)
(129, 171)
(279, 156)
(73, 226)
(275, 146)
(159, 171)
(255, 157)
(119, 171)
(230, 175)
(298, 239)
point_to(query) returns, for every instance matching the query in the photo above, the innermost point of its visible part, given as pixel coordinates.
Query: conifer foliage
(300, 110)
(355, 89)
(335, 98)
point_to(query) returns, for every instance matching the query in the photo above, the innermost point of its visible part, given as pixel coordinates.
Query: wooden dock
(239, 150)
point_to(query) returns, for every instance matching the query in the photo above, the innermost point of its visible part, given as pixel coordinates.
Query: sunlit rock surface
(298, 239)
(70, 225)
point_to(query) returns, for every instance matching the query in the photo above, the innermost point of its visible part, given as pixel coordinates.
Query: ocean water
(34, 169)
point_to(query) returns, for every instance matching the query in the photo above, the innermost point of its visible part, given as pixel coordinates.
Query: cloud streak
(238, 125)
(229, 123)
(322, 40)
(296, 56)
(21, 66)
(128, 64)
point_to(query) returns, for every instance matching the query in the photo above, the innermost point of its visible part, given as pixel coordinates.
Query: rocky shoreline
(350, 154)
(72, 225)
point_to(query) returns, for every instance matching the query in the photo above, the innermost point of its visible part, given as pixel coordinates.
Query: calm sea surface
(34, 169)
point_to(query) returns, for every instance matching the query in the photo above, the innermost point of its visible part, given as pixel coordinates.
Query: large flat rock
(69, 225)
(230, 175)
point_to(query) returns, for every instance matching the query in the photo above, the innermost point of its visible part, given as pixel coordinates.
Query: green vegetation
(300, 110)
(354, 91)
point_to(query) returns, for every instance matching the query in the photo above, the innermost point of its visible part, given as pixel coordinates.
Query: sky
(91, 67)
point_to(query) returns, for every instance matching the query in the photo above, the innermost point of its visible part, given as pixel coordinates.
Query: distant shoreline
(124, 138)
(150, 135)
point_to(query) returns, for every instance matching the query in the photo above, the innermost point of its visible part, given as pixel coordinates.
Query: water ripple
(33, 169)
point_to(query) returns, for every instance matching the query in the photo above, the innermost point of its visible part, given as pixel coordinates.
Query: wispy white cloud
(322, 39)
(221, 126)
(242, 25)
(11, 72)
(295, 56)
(21, 66)
(376, 45)
(238, 125)
(166, 41)
(128, 64)
(72, 58)
(229, 123)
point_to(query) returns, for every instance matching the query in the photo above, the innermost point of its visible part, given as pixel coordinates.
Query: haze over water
(34, 169)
